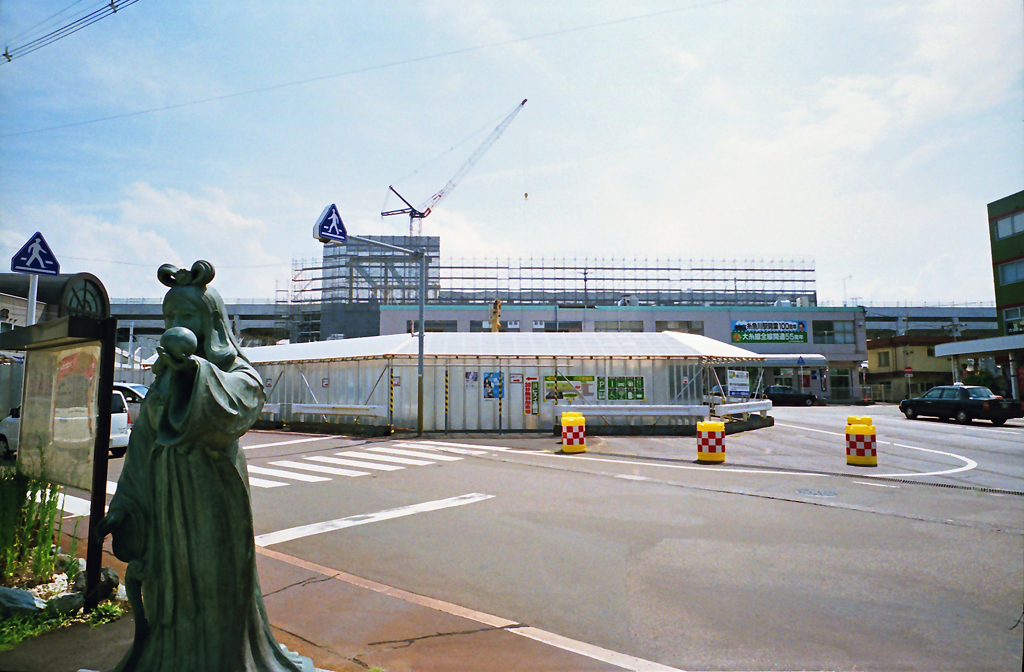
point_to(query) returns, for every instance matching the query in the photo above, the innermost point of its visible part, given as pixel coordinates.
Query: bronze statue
(181, 517)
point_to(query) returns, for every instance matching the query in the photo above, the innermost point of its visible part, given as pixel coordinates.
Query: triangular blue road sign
(329, 226)
(35, 257)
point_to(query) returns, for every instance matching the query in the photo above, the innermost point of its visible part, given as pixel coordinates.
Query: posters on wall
(569, 387)
(738, 383)
(769, 331)
(531, 395)
(492, 386)
(620, 388)
(597, 388)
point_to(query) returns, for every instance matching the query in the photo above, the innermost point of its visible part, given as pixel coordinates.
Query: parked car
(963, 403)
(120, 427)
(134, 394)
(782, 395)
(9, 433)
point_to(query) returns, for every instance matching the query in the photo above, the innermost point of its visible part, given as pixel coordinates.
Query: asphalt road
(783, 558)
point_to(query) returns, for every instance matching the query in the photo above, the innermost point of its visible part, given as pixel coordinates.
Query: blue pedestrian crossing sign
(330, 227)
(35, 257)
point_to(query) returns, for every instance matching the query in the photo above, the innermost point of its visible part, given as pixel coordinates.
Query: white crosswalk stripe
(280, 473)
(355, 463)
(456, 447)
(447, 449)
(385, 458)
(416, 454)
(319, 468)
(264, 483)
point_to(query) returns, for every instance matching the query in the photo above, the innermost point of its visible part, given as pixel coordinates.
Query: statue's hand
(177, 346)
(174, 363)
(110, 523)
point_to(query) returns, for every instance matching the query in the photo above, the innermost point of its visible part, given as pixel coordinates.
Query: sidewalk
(344, 624)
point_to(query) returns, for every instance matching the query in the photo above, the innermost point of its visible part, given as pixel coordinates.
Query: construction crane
(416, 215)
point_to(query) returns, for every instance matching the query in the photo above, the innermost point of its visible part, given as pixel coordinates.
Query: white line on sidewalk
(362, 519)
(582, 648)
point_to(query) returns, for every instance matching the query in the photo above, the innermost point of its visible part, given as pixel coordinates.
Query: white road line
(877, 485)
(288, 443)
(662, 465)
(968, 463)
(316, 467)
(355, 463)
(462, 445)
(582, 648)
(263, 483)
(447, 449)
(384, 458)
(281, 473)
(631, 477)
(362, 519)
(111, 487)
(414, 454)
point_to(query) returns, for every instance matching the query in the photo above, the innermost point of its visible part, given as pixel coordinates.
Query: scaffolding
(360, 273)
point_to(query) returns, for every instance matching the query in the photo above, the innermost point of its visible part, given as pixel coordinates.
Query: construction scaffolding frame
(360, 273)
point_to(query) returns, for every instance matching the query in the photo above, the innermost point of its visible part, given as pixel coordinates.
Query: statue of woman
(181, 517)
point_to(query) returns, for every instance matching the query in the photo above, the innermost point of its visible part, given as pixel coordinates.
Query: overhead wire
(370, 68)
(29, 31)
(64, 31)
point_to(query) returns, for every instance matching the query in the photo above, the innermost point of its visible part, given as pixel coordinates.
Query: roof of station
(662, 345)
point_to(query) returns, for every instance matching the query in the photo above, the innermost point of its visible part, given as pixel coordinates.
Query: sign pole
(33, 294)
(330, 227)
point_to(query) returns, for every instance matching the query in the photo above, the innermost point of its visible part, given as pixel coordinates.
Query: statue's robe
(188, 533)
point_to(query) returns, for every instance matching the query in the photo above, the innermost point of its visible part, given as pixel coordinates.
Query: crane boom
(424, 210)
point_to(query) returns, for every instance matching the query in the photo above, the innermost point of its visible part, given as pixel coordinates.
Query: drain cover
(817, 493)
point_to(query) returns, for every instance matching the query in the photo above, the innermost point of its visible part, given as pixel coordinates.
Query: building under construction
(342, 295)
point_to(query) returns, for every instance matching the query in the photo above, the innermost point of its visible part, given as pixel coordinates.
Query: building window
(683, 326)
(1013, 318)
(883, 359)
(931, 351)
(1011, 272)
(829, 331)
(619, 325)
(1010, 225)
(432, 325)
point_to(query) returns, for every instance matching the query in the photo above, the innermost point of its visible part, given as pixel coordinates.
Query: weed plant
(29, 526)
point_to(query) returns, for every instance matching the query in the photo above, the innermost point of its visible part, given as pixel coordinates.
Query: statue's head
(192, 304)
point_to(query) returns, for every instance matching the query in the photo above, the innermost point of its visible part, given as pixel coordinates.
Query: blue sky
(865, 136)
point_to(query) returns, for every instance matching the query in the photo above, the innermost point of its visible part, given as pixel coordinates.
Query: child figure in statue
(181, 517)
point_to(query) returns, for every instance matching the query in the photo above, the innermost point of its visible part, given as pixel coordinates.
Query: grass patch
(16, 629)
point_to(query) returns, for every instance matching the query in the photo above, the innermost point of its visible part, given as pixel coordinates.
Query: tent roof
(667, 344)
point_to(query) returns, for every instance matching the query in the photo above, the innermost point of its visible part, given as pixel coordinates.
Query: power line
(78, 24)
(370, 68)
(46, 20)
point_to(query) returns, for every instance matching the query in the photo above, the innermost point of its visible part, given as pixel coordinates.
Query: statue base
(301, 662)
